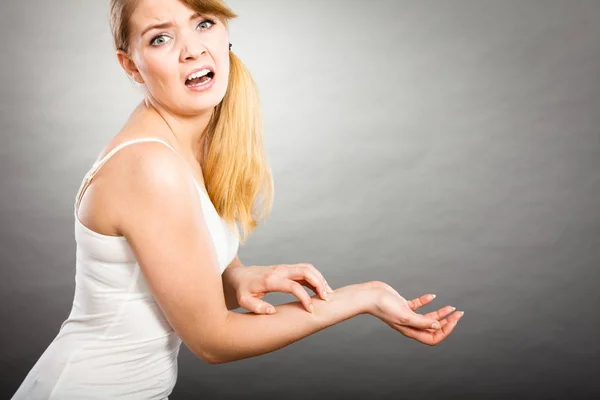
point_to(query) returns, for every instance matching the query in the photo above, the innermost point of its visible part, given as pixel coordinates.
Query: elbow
(210, 352)
(212, 360)
(209, 357)
(215, 361)
(212, 348)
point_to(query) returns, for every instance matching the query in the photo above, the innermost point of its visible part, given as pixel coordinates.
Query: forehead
(154, 11)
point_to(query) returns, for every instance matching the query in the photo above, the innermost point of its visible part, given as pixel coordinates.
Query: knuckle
(243, 301)
(315, 270)
(379, 285)
(311, 276)
(374, 284)
(269, 279)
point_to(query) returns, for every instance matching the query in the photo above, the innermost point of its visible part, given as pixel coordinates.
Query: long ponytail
(236, 169)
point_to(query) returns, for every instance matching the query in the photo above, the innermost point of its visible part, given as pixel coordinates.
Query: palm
(397, 312)
(432, 337)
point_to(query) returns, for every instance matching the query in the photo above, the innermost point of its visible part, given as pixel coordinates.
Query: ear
(129, 66)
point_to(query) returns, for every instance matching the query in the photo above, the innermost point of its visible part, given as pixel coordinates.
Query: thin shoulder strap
(90, 174)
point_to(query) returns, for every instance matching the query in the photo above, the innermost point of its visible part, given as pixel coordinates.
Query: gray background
(448, 147)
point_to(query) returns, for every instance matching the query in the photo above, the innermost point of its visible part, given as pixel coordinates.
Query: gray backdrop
(448, 147)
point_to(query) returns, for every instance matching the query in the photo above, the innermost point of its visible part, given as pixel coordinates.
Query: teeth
(198, 74)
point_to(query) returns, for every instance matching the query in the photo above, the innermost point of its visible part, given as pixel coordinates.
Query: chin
(205, 100)
(199, 105)
(194, 109)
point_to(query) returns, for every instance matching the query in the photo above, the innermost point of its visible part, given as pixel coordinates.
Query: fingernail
(270, 310)
(330, 289)
(326, 296)
(311, 308)
(435, 325)
(433, 296)
(462, 313)
(453, 308)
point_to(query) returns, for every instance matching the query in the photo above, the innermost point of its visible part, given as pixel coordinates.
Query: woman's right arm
(161, 216)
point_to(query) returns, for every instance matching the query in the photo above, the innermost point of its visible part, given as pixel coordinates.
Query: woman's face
(168, 43)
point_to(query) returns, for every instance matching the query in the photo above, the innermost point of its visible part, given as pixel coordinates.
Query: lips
(200, 76)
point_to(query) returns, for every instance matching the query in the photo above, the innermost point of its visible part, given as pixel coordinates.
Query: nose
(192, 50)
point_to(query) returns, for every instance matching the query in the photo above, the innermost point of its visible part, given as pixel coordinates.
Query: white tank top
(116, 342)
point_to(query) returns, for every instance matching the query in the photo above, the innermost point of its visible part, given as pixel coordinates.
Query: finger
(317, 273)
(441, 313)
(447, 328)
(421, 301)
(329, 289)
(301, 271)
(315, 290)
(303, 282)
(255, 305)
(434, 337)
(450, 322)
(419, 321)
(323, 288)
(445, 321)
(297, 290)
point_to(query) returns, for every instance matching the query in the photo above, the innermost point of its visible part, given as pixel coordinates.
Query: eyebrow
(168, 24)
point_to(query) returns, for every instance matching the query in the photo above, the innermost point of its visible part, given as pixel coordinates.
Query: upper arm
(165, 226)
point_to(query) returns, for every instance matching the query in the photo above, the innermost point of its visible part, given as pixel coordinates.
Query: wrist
(230, 270)
(368, 294)
(362, 295)
(230, 283)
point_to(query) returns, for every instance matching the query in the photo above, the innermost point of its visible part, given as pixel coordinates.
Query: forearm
(244, 335)
(230, 295)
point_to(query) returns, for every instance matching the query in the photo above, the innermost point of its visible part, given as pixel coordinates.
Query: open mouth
(199, 78)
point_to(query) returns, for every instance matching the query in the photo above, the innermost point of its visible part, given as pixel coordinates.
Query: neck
(188, 132)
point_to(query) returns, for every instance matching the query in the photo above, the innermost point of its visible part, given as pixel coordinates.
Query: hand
(399, 314)
(252, 283)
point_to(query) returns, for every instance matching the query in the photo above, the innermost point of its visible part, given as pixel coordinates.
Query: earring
(229, 46)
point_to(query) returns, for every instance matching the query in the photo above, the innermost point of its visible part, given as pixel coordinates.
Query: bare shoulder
(109, 196)
(151, 177)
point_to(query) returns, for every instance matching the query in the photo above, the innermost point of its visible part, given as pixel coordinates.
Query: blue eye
(203, 24)
(156, 42)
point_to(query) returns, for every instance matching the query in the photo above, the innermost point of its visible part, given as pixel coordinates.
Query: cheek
(220, 50)
(159, 71)
(224, 77)
(222, 62)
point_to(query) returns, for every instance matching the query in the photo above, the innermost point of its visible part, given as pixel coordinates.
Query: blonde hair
(236, 170)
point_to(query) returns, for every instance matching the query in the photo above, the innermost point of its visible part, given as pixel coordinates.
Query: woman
(156, 225)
